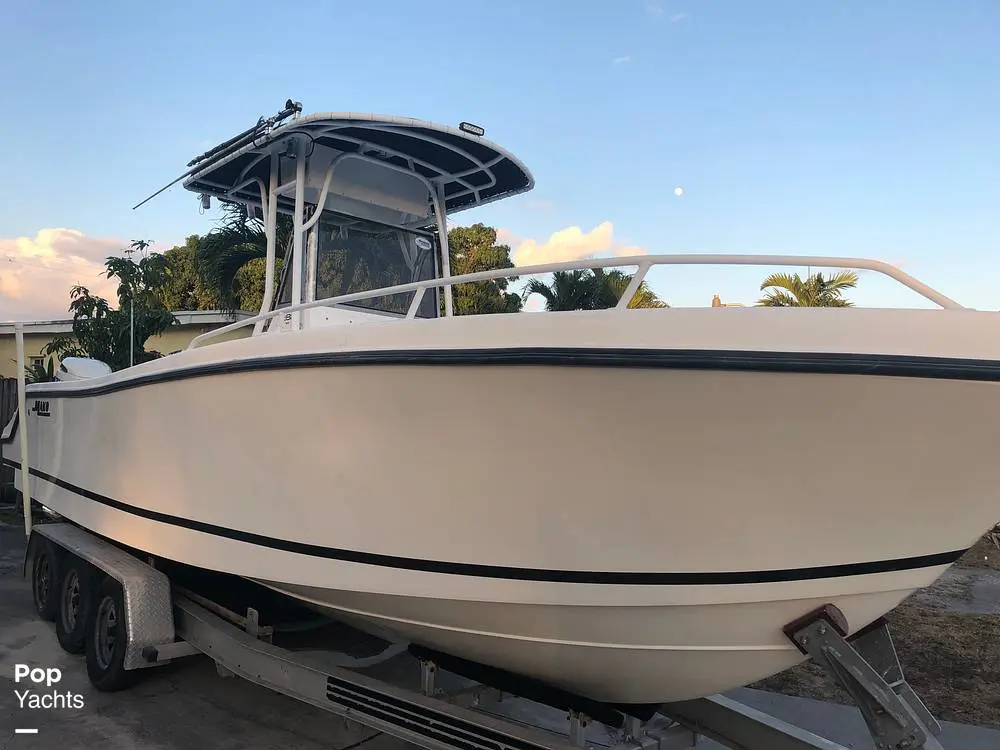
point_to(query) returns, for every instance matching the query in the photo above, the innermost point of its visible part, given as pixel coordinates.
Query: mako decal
(41, 408)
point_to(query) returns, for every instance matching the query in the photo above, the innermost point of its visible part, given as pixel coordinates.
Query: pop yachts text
(33, 696)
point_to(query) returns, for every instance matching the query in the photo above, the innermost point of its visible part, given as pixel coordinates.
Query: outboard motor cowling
(81, 368)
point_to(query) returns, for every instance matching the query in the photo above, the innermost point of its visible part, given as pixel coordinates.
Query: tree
(790, 290)
(610, 286)
(231, 264)
(40, 372)
(224, 252)
(115, 336)
(184, 288)
(585, 289)
(569, 290)
(250, 283)
(472, 250)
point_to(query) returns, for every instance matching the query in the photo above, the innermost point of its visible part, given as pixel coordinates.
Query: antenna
(226, 148)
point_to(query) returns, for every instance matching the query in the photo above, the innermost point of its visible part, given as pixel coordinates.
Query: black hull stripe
(671, 359)
(615, 578)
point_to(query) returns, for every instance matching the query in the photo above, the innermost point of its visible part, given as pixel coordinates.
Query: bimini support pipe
(270, 206)
(442, 221)
(298, 244)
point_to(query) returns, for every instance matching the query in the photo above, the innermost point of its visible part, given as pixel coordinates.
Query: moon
(678, 191)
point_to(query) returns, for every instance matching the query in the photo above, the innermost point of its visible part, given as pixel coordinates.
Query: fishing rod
(226, 148)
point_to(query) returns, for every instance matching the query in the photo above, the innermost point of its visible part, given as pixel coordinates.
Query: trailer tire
(106, 639)
(76, 597)
(45, 578)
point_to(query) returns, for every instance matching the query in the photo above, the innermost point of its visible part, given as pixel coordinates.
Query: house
(190, 323)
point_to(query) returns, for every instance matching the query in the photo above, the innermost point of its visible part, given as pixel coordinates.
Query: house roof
(184, 318)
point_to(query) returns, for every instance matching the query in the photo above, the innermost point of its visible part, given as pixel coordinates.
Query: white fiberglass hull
(631, 530)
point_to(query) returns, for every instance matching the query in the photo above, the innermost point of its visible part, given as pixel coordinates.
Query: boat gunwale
(764, 361)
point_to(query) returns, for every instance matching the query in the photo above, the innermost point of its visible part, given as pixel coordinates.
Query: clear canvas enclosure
(353, 255)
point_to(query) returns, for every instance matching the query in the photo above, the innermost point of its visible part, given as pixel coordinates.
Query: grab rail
(642, 263)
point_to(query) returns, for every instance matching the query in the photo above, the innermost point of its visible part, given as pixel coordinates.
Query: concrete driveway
(178, 707)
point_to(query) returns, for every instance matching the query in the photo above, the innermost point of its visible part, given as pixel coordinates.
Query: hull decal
(613, 578)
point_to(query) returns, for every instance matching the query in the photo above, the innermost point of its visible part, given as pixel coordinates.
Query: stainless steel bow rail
(642, 264)
(424, 697)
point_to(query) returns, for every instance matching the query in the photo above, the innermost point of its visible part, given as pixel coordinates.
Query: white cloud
(507, 237)
(534, 303)
(571, 243)
(37, 273)
(654, 9)
(540, 205)
(622, 60)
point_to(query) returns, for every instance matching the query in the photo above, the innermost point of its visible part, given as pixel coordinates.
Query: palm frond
(221, 255)
(238, 238)
(777, 298)
(645, 297)
(537, 286)
(790, 290)
(840, 282)
(787, 281)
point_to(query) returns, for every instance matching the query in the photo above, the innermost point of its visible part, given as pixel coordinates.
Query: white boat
(628, 504)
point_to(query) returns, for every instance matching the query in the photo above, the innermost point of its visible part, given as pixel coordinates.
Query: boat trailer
(432, 700)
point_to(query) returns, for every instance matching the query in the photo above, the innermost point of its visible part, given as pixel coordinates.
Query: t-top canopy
(472, 170)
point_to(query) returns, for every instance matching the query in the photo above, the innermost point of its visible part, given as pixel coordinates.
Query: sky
(851, 128)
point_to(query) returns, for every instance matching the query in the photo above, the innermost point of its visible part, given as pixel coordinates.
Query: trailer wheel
(44, 579)
(76, 597)
(106, 639)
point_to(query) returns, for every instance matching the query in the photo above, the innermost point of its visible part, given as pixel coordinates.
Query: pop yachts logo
(38, 688)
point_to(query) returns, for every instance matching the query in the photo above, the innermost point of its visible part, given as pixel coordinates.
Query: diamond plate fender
(149, 614)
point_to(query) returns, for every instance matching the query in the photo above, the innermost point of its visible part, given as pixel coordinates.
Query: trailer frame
(434, 705)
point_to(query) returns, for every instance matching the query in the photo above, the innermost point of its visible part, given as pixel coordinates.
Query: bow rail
(642, 264)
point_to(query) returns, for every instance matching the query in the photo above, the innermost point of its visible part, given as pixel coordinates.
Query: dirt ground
(952, 659)
(984, 554)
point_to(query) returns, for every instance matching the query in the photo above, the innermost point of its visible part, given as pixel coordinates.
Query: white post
(131, 315)
(131, 332)
(270, 206)
(442, 217)
(297, 243)
(22, 428)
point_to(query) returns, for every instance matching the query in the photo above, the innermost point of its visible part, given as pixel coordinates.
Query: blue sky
(857, 127)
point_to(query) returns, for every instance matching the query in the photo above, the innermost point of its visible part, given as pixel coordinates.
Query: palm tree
(590, 290)
(236, 241)
(790, 290)
(569, 291)
(612, 285)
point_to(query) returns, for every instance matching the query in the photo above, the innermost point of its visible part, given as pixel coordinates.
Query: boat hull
(632, 532)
